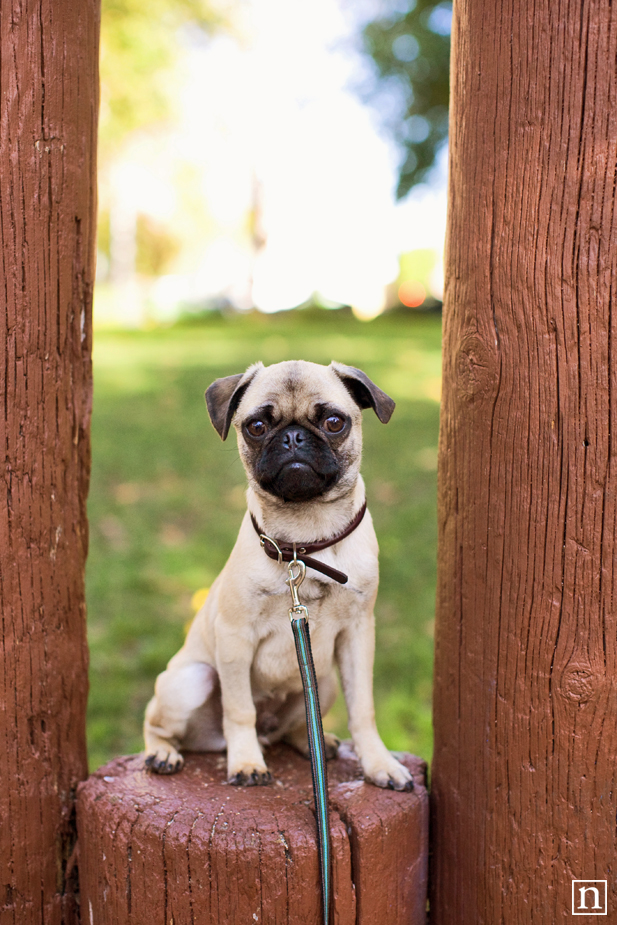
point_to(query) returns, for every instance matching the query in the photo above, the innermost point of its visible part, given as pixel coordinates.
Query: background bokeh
(254, 153)
(253, 156)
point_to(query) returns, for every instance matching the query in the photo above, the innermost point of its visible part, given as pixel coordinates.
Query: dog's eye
(334, 424)
(256, 428)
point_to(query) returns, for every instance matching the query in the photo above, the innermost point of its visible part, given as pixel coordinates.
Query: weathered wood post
(191, 849)
(48, 113)
(524, 784)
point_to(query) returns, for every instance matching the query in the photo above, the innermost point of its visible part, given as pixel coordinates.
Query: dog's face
(299, 425)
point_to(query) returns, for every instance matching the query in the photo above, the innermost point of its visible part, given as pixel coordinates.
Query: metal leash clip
(294, 581)
(263, 539)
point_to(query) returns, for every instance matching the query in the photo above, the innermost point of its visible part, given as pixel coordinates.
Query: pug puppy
(235, 682)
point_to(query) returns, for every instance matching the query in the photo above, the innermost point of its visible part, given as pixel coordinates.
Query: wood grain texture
(192, 850)
(524, 785)
(48, 111)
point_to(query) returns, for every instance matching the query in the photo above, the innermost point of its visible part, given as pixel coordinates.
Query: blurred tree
(410, 45)
(139, 46)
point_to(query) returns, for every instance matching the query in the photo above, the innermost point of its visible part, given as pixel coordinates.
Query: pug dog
(235, 683)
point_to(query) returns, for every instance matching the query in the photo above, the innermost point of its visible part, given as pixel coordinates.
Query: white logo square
(589, 897)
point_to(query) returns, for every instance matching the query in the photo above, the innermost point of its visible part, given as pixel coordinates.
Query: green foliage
(411, 48)
(167, 498)
(139, 46)
(417, 265)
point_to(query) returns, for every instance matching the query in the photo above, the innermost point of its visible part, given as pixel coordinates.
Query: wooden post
(189, 848)
(524, 784)
(48, 117)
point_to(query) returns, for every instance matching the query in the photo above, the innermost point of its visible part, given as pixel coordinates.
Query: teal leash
(298, 615)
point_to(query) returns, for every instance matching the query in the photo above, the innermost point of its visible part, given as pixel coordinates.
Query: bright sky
(276, 105)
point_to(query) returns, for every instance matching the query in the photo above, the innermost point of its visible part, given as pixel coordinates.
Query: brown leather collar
(284, 552)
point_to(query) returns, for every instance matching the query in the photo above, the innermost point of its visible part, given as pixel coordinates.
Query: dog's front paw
(390, 774)
(250, 777)
(164, 761)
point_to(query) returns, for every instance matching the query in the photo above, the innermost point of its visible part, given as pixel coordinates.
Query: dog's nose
(293, 438)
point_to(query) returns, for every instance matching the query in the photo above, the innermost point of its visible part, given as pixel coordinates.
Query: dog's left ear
(365, 393)
(224, 395)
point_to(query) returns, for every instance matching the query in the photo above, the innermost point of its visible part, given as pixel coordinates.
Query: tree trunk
(48, 112)
(524, 787)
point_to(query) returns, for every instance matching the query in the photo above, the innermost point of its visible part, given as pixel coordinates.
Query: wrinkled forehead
(294, 389)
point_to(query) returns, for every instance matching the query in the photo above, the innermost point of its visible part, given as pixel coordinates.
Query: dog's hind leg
(295, 720)
(179, 693)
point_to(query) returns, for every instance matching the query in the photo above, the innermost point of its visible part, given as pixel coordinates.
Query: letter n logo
(589, 897)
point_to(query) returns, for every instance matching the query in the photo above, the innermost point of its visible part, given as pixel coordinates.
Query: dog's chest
(275, 666)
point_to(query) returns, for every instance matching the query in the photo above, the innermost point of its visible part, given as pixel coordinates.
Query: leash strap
(299, 624)
(318, 755)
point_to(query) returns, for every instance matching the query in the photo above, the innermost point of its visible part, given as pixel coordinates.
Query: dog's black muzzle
(296, 465)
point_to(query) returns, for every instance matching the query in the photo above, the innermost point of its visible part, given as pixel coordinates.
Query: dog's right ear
(224, 395)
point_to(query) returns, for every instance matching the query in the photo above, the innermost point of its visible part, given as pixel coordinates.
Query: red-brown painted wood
(193, 850)
(524, 781)
(48, 119)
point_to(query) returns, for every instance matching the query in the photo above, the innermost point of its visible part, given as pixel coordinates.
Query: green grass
(166, 501)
